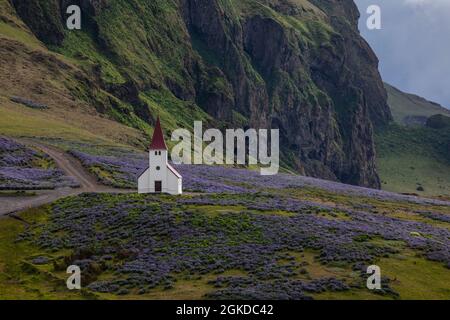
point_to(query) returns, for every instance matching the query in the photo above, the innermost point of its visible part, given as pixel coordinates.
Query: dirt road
(72, 167)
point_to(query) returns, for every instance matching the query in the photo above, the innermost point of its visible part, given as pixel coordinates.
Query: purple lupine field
(22, 168)
(242, 245)
(235, 235)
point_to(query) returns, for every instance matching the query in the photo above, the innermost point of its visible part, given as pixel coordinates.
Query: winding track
(72, 167)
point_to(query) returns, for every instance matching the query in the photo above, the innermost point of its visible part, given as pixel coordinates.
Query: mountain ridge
(410, 108)
(300, 66)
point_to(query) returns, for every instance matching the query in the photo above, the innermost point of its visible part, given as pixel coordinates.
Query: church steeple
(158, 142)
(160, 176)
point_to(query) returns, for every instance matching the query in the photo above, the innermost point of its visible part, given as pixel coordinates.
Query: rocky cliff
(297, 65)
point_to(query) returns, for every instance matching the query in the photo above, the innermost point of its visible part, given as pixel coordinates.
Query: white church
(160, 176)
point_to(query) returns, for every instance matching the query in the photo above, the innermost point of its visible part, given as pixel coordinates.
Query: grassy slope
(58, 79)
(411, 156)
(404, 104)
(31, 71)
(20, 121)
(130, 37)
(19, 279)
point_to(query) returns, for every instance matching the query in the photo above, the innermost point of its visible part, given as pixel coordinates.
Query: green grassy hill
(413, 158)
(409, 108)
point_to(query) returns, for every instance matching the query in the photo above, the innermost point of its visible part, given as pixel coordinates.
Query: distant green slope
(411, 109)
(412, 158)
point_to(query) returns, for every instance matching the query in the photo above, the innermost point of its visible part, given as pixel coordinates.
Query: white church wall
(158, 160)
(180, 186)
(174, 183)
(144, 182)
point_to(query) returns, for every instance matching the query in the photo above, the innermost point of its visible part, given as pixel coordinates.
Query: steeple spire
(158, 142)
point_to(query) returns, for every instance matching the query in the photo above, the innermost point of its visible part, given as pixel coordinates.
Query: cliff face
(296, 65)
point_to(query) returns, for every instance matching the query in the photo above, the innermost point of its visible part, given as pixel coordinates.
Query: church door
(158, 186)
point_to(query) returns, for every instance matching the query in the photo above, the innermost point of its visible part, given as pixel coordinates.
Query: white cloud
(413, 45)
(437, 3)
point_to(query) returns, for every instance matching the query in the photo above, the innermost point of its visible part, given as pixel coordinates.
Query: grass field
(20, 121)
(414, 160)
(19, 279)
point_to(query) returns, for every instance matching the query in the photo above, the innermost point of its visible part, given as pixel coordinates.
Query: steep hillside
(410, 109)
(300, 66)
(29, 70)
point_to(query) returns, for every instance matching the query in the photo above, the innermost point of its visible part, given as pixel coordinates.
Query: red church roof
(158, 142)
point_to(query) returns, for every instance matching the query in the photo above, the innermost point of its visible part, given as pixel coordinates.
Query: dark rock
(415, 120)
(438, 121)
(29, 103)
(43, 18)
(40, 260)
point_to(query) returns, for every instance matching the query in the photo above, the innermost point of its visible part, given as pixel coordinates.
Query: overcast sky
(413, 45)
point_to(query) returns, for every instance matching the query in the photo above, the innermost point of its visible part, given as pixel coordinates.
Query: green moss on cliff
(174, 112)
(146, 38)
(81, 48)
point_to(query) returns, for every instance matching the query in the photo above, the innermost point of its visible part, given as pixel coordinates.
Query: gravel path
(72, 167)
